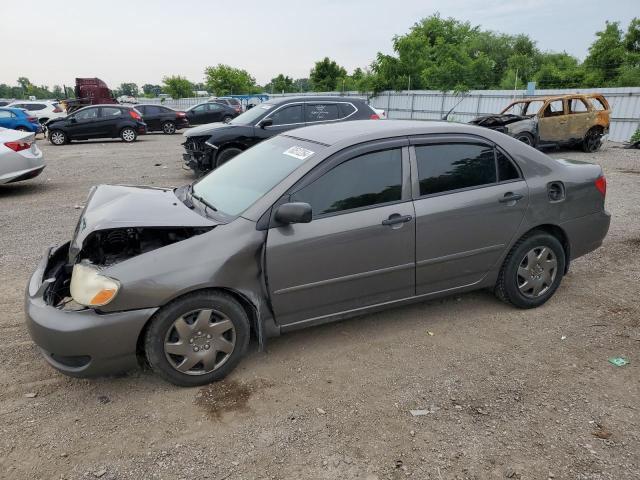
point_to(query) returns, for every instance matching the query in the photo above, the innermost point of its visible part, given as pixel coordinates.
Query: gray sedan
(20, 158)
(312, 226)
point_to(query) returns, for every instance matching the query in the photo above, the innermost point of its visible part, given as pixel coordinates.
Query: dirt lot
(510, 393)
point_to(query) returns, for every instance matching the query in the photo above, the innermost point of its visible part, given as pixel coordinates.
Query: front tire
(227, 154)
(526, 138)
(128, 135)
(58, 137)
(197, 339)
(168, 128)
(532, 271)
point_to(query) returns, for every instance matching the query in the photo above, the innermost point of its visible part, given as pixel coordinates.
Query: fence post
(388, 103)
(442, 106)
(413, 97)
(478, 106)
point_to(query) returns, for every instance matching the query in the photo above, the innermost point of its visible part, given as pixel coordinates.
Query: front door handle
(396, 218)
(511, 197)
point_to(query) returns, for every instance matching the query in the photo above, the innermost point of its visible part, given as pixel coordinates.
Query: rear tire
(227, 119)
(532, 271)
(128, 135)
(227, 154)
(197, 339)
(21, 129)
(592, 140)
(58, 137)
(168, 128)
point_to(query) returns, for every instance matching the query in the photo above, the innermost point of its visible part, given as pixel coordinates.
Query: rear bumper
(81, 343)
(586, 233)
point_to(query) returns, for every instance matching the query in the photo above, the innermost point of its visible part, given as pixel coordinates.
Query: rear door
(581, 117)
(359, 249)
(215, 112)
(7, 119)
(109, 121)
(470, 199)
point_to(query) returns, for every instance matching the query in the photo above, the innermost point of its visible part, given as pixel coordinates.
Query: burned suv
(553, 121)
(209, 146)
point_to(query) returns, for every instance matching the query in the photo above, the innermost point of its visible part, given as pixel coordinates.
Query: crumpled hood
(207, 129)
(119, 206)
(497, 120)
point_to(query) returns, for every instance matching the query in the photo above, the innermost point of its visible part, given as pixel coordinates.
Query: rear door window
(346, 109)
(577, 105)
(110, 112)
(153, 110)
(454, 166)
(291, 114)
(5, 114)
(345, 187)
(36, 106)
(142, 109)
(321, 112)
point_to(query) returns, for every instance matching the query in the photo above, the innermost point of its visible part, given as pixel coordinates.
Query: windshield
(236, 185)
(524, 108)
(250, 117)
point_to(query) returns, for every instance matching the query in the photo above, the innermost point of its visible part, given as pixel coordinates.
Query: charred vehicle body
(291, 234)
(209, 146)
(554, 121)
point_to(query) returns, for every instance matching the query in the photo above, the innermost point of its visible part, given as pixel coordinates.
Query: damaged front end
(199, 154)
(522, 127)
(118, 223)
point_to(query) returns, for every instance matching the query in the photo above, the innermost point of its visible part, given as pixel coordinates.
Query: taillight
(17, 146)
(374, 116)
(57, 110)
(601, 185)
(32, 119)
(181, 114)
(135, 115)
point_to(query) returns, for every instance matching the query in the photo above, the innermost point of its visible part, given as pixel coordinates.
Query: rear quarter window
(597, 104)
(346, 109)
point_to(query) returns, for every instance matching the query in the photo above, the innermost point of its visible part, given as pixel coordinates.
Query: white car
(20, 157)
(43, 110)
(127, 99)
(380, 112)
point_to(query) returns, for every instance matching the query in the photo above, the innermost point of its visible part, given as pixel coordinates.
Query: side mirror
(267, 122)
(295, 212)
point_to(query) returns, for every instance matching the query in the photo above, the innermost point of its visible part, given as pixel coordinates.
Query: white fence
(433, 105)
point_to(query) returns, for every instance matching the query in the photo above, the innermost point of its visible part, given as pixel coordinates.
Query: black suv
(97, 121)
(162, 119)
(209, 146)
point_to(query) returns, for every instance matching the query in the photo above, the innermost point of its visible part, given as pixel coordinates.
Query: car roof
(357, 131)
(13, 109)
(313, 98)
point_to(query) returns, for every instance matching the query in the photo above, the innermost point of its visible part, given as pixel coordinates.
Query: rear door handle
(396, 218)
(511, 197)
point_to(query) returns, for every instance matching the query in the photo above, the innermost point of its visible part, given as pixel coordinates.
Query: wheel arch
(248, 306)
(557, 232)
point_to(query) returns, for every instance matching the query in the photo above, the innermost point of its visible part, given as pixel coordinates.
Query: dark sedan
(209, 146)
(97, 121)
(324, 223)
(162, 119)
(210, 112)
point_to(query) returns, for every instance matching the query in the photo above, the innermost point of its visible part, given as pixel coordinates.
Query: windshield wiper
(203, 201)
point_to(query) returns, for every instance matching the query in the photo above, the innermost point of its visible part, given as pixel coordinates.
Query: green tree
(226, 80)
(326, 75)
(151, 90)
(606, 55)
(177, 86)
(57, 91)
(302, 85)
(280, 84)
(129, 89)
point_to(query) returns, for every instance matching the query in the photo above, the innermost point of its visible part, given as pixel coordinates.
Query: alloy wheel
(593, 141)
(128, 135)
(169, 128)
(537, 272)
(200, 342)
(57, 138)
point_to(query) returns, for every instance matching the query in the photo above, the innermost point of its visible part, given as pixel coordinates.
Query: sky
(142, 41)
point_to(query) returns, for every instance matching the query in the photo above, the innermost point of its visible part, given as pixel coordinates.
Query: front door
(81, 125)
(284, 118)
(553, 123)
(470, 199)
(359, 249)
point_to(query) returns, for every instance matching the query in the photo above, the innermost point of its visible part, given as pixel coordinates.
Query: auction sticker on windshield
(298, 152)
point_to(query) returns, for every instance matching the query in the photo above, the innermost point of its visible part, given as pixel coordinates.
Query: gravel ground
(508, 393)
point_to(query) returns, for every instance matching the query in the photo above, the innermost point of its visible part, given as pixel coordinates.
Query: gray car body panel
(287, 269)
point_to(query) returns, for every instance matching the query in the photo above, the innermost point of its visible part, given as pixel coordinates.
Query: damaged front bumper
(199, 154)
(81, 342)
